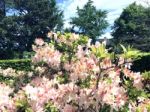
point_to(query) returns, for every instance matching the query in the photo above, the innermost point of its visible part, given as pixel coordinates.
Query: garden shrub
(18, 64)
(78, 77)
(142, 63)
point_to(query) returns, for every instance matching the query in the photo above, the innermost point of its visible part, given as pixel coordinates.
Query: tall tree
(90, 21)
(32, 19)
(37, 17)
(8, 30)
(133, 27)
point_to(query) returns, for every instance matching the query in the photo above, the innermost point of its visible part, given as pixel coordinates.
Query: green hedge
(142, 64)
(18, 64)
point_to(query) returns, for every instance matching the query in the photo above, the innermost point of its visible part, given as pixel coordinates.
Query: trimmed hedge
(18, 64)
(142, 64)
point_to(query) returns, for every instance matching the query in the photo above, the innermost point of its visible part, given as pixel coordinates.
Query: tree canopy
(90, 21)
(133, 27)
(31, 19)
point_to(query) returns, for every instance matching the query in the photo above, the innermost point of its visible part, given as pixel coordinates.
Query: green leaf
(123, 47)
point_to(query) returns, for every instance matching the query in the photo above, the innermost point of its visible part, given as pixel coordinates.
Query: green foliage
(133, 27)
(106, 108)
(20, 64)
(33, 19)
(23, 106)
(90, 21)
(83, 40)
(7, 80)
(130, 52)
(141, 60)
(68, 48)
(133, 92)
(146, 81)
(141, 110)
(27, 55)
(146, 75)
(63, 78)
(85, 83)
(8, 28)
(100, 51)
(50, 108)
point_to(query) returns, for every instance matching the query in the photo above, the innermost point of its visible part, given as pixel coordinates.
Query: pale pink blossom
(39, 41)
(49, 55)
(106, 63)
(138, 83)
(6, 102)
(80, 53)
(69, 108)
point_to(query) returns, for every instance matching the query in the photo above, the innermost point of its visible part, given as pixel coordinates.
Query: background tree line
(133, 27)
(21, 21)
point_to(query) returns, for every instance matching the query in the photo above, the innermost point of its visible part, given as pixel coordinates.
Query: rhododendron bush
(74, 76)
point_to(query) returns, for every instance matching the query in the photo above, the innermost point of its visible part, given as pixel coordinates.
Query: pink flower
(80, 53)
(50, 34)
(106, 63)
(137, 81)
(91, 64)
(48, 55)
(121, 100)
(121, 60)
(39, 41)
(68, 66)
(69, 108)
(6, 102)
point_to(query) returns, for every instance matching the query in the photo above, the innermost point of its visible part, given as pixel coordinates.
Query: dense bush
(76, 77)
(142, 64)
(6, 54)
(18, 64)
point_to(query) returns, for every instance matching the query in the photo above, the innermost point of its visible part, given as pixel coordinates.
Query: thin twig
(99, 75)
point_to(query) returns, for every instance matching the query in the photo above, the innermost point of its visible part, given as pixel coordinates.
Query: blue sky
(114, 8)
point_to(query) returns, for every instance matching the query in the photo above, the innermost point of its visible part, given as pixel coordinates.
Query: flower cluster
(135, 76)
(38, 93)
(6, 102)
(143, 105)
(9, 72)
(47, 54)
(65, 39)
